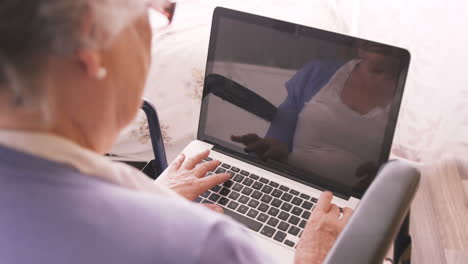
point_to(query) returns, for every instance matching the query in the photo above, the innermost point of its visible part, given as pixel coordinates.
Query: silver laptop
(291, 111)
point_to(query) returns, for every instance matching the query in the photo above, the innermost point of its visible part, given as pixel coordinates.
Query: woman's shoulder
(184, 231)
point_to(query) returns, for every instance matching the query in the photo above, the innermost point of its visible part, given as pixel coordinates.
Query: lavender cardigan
(51, 213)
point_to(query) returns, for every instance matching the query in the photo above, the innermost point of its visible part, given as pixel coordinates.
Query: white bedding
(434, 116)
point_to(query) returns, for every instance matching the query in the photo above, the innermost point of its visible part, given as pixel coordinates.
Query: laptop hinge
(235, 155)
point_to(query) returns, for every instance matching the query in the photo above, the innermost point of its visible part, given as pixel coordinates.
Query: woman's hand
(186, 176)
(321, 231)
(265, 148)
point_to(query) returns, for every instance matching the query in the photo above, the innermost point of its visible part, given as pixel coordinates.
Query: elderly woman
(71, 77)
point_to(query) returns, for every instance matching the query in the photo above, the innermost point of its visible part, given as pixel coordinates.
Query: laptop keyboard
(273, 210)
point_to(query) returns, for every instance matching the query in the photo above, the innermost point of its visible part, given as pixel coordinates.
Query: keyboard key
(242, 209)
(226, 166)
(307, 205)
(216, 188)
(293, 192)
(206, 194)
(304, 196)
(283, 226)
(250, 223)
(220, 170)
(264, 180)
(263, 207)
(283, 216)
(272, 221)
(214, 197)
(289, 243)
(245, 173)
(296, 211)
(207, 201)
(306, 215)
(314, 200)
(225, 192)
(228, 183)
(252, 213)
(237, 187)
(253, 203)
(247, 191)
(262, 218)
(243, 199)
(234, 169)
(279, 236)
(273, 211)
(257, 185)
(233, 205)
(247, 182)
(256, 195)
(303, 224)
(276, 202)
(234, 195)
(231, 173)
(274, 184)
(297, 201)
(286, 197)
(207, 159)
(266, 198)
(267, 231)
(223, 201)
(255, 177)
(294, 231)
(267, 189)
(198, 199)
(284, 188)
(293, 220)
(238, 178)
(277, 193)
(286, 207)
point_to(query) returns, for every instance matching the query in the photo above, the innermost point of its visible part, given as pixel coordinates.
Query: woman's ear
(89, 59)
(90, 62)
(361, 53)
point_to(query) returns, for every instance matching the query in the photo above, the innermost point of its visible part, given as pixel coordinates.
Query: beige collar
(61, 150)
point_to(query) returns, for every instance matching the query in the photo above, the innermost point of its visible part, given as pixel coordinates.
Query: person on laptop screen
(333, 119)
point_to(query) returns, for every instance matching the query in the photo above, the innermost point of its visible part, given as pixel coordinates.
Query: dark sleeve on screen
(300, 89)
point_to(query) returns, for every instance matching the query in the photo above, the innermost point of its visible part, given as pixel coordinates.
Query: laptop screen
(313, 105)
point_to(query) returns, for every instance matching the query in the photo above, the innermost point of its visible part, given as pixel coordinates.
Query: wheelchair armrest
(376, 221)
(160, 160)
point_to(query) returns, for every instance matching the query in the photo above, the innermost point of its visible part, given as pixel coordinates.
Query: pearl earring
(101, 74)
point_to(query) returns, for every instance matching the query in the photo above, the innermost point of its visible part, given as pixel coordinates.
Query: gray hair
(33, 30)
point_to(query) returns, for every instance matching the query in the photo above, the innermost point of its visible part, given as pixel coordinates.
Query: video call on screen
(301, 102)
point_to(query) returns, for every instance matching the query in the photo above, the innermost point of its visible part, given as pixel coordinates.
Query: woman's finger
(202, 169)
(334, 211)
(245, 139)
(175, 165)
(259, 147)
(191, 162)
(347, 212)
(324, 201)
(206, 183)
(214, 207)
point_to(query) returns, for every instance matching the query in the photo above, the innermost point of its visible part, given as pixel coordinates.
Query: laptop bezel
(341, 191)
